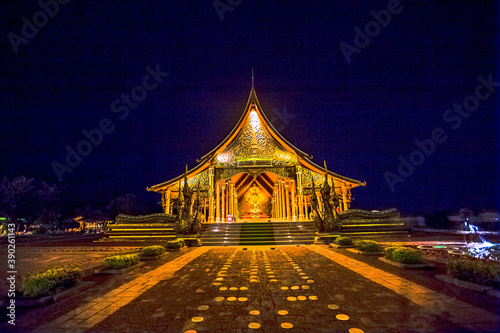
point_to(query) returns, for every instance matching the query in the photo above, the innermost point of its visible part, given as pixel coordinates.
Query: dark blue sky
(358, 116)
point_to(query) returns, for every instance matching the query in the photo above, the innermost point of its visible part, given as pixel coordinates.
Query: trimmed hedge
(344, 240)
(175, 244)
(154, 250)
(121, 261)
(367, 245)
(477, 271)
(50, 281)
(404, 255)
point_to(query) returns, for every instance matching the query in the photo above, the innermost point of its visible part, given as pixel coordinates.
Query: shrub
(343, 240)
(154, 250)
(487, 273)
(50, 281)
(367, 245)
(121, 261)
(404, 255)
(175, 244)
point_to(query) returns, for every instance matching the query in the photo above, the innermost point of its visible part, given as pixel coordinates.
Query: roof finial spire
(252, 79)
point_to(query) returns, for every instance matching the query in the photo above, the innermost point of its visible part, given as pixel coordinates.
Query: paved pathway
(301, 289)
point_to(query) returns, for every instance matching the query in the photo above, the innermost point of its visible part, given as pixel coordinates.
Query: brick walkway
(301, 289)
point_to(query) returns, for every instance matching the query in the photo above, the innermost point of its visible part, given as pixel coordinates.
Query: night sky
(358, 116)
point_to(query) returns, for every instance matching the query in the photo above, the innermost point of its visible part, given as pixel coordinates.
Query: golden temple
(255, 173)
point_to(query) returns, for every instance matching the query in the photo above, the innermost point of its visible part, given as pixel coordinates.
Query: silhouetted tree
(125, 204)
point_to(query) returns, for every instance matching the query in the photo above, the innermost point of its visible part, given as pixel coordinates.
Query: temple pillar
(287, 200)
(223, 209)
(294, 208)
(298, 169)
(282, 197)
(210, 194)
(217, 210)
(344, 196)
(167, 202)
(232, 199)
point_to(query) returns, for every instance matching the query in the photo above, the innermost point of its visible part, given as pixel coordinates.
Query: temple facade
(255, 173)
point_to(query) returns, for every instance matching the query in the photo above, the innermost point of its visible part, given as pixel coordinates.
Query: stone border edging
(366, 253)
(469, 285)
(405, 266)
(29, 302)
(144, 257)
(117, 271)
(341, 246)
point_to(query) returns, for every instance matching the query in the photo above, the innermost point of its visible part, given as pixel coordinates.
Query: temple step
(257, 233)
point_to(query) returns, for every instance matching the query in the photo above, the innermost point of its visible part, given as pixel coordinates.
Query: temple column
(287, 199)
(298, 169)
(282, 198)
(217, 210)
(308, 216)
(236, 210)
(167, 201)
(232, 199)
(294, 208)
(282, 201)
(278, 201)
(275, 194)
(210, 217)
(223, 209)
(344, 196)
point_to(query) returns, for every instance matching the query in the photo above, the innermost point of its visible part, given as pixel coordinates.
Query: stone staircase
(149, 228)
(257, 233)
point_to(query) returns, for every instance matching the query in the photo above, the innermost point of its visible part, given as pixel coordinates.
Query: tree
(125, 204)
(16, 196)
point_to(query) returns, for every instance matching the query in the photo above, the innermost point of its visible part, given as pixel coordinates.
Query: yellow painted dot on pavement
(197, 319)
(243, 288)
(333, 306)
(219, 279)
(356, 330)
(254, 312)
(282, 312)
(284, 288)
(219, 299)
(302, 273)
(305, 277)
(216, 283)
(306, 287)
(301, 298)
(223, 288)
(231, 299)
(190, 331)
(342, 317)
(233, 288)
(253, 280)
(295, 288)
(273, 280)
(286, 325)
(291, 298)
(271, 276)
(242, 299)
(310, 281)
(203, 307)
(313, 298)
(254, 326)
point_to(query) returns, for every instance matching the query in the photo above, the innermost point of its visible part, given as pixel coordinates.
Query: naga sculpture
(327, 219)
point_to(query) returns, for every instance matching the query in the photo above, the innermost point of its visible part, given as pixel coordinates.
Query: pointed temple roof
(254, 142)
